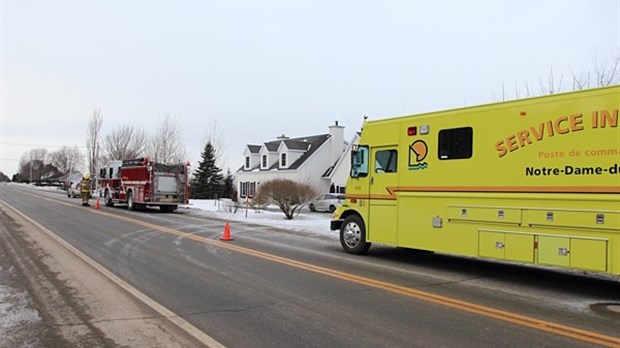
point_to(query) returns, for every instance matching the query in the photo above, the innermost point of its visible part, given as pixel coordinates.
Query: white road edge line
(163, 311)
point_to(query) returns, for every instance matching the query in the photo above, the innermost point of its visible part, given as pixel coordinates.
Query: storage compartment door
(588, 254)
(491, 244)
(553, 251)
(519, 247)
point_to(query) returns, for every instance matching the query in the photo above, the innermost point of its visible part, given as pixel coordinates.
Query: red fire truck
(142, 182)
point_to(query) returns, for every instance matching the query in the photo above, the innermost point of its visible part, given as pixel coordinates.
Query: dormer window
(264, 163)
(247, 162)
(283, 160)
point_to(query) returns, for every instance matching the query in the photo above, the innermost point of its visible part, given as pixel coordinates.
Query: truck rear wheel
(353, 235)
(131, 205)
(107, 199)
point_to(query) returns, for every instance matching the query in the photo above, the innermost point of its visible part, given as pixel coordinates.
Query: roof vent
(282, 137)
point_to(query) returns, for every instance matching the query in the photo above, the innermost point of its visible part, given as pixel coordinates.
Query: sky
(259, 69)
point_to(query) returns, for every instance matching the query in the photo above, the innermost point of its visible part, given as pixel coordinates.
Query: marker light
(412, 131)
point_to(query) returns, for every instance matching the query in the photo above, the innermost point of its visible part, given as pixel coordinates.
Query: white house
(322, 161)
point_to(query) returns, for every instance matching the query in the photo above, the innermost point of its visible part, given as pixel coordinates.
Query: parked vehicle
(529, 181)
(73, 189)
(142, 182)
(327, 202)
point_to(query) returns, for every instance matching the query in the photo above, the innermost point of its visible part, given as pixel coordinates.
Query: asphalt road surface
(169, 281)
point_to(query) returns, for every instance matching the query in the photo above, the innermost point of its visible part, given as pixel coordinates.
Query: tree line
(128, 142)
(604, 72)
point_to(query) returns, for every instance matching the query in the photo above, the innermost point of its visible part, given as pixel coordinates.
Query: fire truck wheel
(107, 199)
(353, 235)
(131, 205)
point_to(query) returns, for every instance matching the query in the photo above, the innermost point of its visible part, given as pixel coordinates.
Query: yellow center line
(562, 330)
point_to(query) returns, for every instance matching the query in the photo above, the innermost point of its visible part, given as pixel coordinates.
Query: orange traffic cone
(226, 236)
(97, 205)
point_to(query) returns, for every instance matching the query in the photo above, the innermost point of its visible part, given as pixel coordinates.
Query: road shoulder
(76, 304)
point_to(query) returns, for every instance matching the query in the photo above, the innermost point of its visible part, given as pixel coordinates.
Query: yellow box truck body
(532, 181)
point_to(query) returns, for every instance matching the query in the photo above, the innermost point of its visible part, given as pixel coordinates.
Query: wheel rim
(352, 235)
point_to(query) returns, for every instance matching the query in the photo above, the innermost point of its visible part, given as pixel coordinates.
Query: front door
(383, 177)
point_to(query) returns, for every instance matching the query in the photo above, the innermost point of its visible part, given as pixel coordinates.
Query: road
(272, 288)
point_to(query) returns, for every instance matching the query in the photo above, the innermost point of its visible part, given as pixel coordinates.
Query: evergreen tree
(228, 189)
(207, 183)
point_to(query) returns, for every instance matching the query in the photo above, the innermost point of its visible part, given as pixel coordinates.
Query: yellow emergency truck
(531, 181)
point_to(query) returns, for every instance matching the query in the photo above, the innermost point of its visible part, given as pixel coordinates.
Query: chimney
(337, 145)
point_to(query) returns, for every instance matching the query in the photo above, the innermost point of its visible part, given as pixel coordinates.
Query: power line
(39, 145)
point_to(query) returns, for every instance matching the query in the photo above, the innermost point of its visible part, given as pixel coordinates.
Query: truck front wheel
(353, 235)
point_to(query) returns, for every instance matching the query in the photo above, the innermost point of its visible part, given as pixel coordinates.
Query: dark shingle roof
(309, 144)
(272, 146)
(297, 145)
(315, 142)
(254, 148)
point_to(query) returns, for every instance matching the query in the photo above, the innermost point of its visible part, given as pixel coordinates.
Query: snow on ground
(15, 309)
(305, 222)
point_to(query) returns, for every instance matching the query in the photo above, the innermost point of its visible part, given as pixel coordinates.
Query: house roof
(272, 146)
(296, 145)
(315, 142)
(254, 148)
(309, 144)
(328, 173)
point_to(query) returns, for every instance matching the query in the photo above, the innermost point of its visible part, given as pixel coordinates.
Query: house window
(455, 143)
(264, 164)
(247, 189)
(251, 189)
(243, 187)
(247, 162)
(283, 160)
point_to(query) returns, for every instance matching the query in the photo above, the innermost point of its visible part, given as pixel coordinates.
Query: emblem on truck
(417, 153)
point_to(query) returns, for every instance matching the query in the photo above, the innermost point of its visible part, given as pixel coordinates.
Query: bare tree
(580, 80)
(288, 195)
(604, 73)
(216, 137)
(123, 143)
(93, 140)
(551, 86)
(32, 165)
(66, 158)
(528, 91)
(166, 145)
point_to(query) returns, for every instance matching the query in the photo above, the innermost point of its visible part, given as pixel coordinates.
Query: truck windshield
(359, 161)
